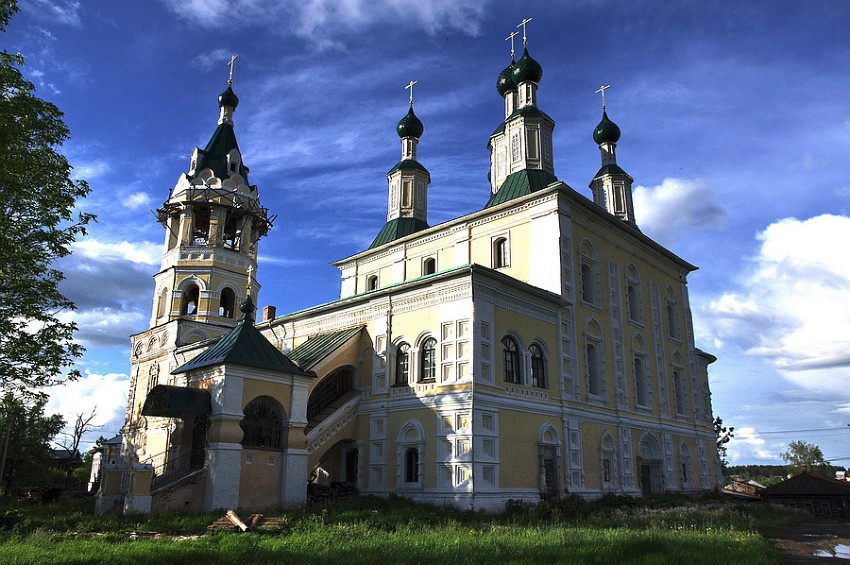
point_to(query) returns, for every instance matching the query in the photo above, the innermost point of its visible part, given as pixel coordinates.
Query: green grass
(371, 530)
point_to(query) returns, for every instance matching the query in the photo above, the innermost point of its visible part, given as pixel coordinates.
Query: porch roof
(175, 401)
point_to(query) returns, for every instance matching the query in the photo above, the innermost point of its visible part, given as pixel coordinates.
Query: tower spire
(231, 64)
(511, 38)
(611, 186)
(410, 86)
(407, 205)
(601, 91)
(522, 24)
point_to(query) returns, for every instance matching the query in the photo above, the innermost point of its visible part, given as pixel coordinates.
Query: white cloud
(793, 307)
(144, 252)
(106, 394)
(106, 326)
(209, 60)
(747, 444)
(60, 11)
(322, 21)
(137, 200)
(90, 171)
(668, 211)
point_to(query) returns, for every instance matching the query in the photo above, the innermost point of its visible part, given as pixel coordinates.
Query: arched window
(607, 466)
(501, 253)
(513, 371)
(680, 394)
(429, 266)
(402, 364)
(227, 302)
(232, 235)
(191, 296)
(685, 463)
(200, 226)
(162, 303)
(410, 444)
(633, 297)
(262, 425)
(411, 465)
(538, 366)
(329, 390)
(641, 394)
(640, 372)
(594, 382)
(593, 356)
(589, 272)
(429, 360)
(372, 282)
(672, 314)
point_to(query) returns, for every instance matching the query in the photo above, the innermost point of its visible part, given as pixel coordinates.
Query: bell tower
(521, 158)
(611, 186)
(213, 221)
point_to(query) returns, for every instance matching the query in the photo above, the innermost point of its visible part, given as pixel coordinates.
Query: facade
(538, 347)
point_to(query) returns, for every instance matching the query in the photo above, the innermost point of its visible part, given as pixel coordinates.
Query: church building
(538, 347)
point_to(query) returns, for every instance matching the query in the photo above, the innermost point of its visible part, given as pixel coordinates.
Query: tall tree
(37, 225)
(26, 433)
(804, 456)
(71, 441)
(724, 435)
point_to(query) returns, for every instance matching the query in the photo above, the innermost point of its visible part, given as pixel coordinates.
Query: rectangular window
(407, 194)
(531, 143)
(515, 147)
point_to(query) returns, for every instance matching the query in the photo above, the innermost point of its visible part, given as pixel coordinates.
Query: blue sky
(735, 128)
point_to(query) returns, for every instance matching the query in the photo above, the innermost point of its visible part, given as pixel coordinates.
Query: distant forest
(770, 474)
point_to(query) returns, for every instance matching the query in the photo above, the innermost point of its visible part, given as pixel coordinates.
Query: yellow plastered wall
(260, 478)
(520, 449)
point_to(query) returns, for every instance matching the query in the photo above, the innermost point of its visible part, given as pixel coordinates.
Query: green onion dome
(410, 126)
(505, 83)
(228, 98)
(606, 131)
(527, 69)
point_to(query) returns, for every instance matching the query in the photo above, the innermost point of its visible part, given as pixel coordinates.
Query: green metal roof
(410, 165)
(527, 112)
(243, 345)
(214, 155)
(397, 228)
(174, 401)
(318, 347)
(521, 183)
(612, 169)
(606, 130)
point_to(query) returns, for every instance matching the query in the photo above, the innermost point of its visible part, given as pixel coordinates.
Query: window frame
(538, 366)
(501, 250)
(259, 412)
(428, 360)
(402, 364)
(512, 360)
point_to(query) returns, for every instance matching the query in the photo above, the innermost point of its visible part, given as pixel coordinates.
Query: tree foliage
(724, 435)
(37, 225)
(804, 456)
(25, 433)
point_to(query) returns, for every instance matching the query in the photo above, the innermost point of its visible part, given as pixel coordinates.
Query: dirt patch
(825, 542)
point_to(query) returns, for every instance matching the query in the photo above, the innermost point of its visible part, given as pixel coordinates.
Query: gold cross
(231, 64)
(410, 86)
(601, 91)
(511, 37)
(522, 25)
